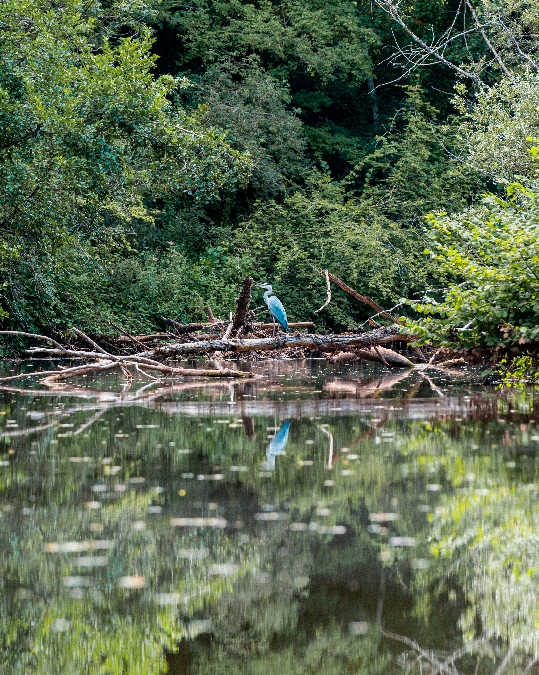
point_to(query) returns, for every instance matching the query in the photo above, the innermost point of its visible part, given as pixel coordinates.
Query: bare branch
(392, 9)
(362, 298)
(487, 41)
(89, 341)
(328, 291)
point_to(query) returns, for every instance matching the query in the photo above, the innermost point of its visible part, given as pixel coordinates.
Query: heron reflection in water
(277, 444)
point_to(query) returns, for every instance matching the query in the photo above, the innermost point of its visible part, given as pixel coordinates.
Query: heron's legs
(273, 325)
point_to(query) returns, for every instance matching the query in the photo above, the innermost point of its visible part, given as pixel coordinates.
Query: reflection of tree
(62, 615)
(282, 599)
(484, 539)
(489, 533)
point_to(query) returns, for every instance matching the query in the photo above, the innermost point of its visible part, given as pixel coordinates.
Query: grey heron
(275, 307)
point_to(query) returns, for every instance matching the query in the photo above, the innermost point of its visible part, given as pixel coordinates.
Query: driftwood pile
(147, 354)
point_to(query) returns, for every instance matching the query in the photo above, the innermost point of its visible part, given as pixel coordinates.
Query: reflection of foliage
(330, 652)
(518, 371)
(483, 538)
(281, 600)
(93, 625)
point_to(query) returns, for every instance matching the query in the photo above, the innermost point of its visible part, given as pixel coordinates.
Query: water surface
(342, 519)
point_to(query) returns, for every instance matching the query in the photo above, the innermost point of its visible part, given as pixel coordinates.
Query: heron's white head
(267, 287)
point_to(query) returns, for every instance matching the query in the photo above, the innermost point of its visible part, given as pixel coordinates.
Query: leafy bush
(492, 253)
(134, 291)
(252, 107)
(416, 166)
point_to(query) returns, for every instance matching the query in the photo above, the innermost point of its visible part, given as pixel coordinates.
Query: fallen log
(322, 342)
(391, 357)
(182, 328)
(151, 360)
(102, 361)
(193, 327)
(147, 338)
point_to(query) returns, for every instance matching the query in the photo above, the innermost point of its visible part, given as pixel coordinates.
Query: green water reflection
(347, 521)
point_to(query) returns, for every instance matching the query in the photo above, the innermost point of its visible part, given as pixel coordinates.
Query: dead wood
(181, 328)
(328, 292)
(127, 335)
(343, 357)
(30, 335)
(242, 305)
(419, 354)
(211, 318)
(101, 361)
(146, 338)
(297, 324)
(321, 342)
(381, 356)
(89, 340)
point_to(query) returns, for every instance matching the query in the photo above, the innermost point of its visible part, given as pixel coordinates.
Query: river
(318, 518)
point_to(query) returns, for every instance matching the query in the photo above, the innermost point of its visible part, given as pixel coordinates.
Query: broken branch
(242, 305)
(362, 298)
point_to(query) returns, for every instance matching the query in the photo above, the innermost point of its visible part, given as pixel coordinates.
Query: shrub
(492, 253)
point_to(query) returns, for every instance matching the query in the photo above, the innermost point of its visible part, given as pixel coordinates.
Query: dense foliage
(89, 141)
(152, 153)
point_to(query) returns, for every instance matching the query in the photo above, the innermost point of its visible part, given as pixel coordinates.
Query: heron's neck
(267, 294)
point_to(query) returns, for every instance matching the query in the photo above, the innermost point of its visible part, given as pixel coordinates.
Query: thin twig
(142, 372)
(381, 356)
(362, 298)
(392, 10)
